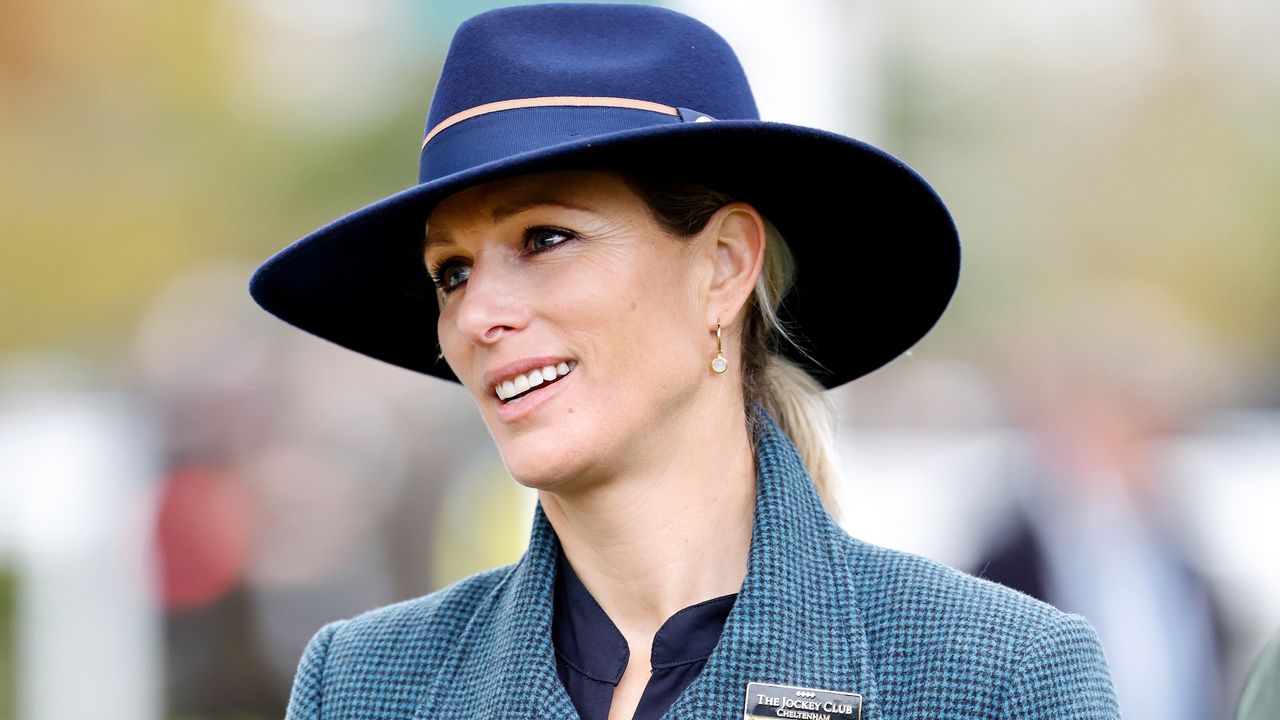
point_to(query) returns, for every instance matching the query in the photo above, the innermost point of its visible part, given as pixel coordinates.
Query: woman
(603, 239)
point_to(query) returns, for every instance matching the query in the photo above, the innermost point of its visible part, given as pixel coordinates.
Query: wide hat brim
(876, 252)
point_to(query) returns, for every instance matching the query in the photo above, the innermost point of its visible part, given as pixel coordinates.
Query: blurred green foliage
(131, 151)
(1145, 154)
(8, 640)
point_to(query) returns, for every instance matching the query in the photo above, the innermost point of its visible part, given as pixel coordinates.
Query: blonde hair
(797, 401)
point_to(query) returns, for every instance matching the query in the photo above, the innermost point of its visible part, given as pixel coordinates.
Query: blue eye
(456, 275)
(449, 276)
(543, 238)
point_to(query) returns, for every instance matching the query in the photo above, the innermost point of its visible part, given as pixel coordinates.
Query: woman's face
(567, 271)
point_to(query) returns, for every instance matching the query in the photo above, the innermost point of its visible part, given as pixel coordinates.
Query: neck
(671, 533)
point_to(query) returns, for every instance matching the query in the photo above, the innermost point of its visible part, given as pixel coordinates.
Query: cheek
(636, 312)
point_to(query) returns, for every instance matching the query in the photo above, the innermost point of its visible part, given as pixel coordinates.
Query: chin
(545, 469)
(544, 460)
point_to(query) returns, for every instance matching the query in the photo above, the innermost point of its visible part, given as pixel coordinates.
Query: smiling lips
(513, 389)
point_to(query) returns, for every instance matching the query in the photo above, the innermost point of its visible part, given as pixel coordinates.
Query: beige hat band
(551, 101)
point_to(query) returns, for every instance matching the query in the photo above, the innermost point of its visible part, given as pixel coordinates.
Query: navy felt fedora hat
(644, 89)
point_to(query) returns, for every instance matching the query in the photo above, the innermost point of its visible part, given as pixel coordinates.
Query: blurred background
(189, 488)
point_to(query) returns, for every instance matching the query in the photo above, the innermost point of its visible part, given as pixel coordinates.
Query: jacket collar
(796, 620)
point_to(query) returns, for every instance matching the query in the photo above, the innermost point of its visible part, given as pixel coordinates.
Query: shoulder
(389, 653)
(895, 587)
(942, 640)
(419, 621)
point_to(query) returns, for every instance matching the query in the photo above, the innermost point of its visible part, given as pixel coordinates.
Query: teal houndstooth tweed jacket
(818, 609)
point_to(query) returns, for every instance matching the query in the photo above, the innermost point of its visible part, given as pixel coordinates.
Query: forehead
(490, 203)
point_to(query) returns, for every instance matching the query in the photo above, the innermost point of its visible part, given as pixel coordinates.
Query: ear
(735, 241)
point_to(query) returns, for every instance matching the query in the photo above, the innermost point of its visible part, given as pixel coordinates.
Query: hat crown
(588, 50)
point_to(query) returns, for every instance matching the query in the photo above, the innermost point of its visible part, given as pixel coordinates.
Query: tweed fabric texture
(817, 609)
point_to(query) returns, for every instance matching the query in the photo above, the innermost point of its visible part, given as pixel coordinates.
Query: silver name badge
(766, 702)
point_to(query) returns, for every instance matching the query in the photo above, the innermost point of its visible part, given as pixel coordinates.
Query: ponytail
(797, 401)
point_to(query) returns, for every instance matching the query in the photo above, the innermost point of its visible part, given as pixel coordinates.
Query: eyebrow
(502, 212)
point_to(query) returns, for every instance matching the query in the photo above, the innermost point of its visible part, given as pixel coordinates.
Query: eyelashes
(444, 277)
(449, 274)
(531, 235)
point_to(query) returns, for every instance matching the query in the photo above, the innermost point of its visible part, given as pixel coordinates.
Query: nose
(491, 305)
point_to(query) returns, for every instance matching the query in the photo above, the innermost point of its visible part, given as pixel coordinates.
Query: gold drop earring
(718, 363)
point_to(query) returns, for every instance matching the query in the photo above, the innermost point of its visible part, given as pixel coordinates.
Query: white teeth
(510, 388)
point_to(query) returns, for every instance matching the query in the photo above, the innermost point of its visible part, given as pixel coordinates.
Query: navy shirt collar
(587, 639)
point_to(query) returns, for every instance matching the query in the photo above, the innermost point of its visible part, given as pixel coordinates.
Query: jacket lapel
(503, 665)
(795, 621)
